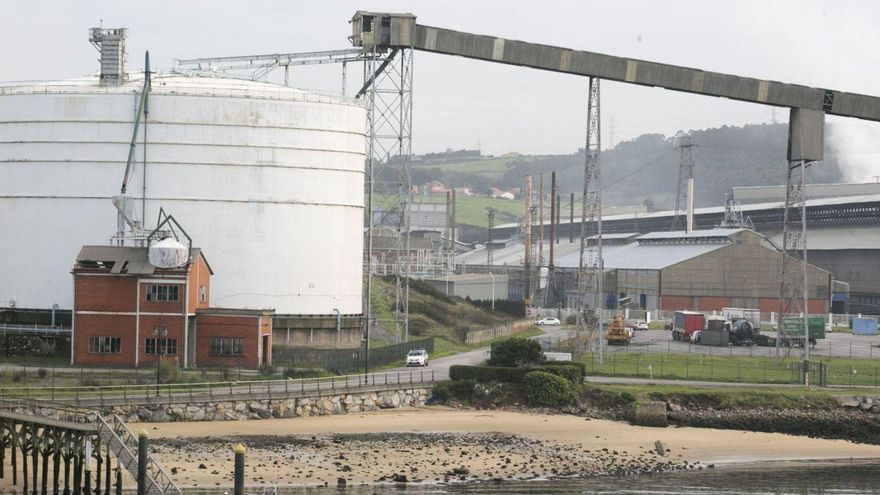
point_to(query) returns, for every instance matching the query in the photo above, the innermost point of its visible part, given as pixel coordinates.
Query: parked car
(417, 357)
(642, 325)
(548, 321)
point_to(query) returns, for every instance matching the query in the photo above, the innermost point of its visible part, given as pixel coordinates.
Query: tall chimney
(690, 205)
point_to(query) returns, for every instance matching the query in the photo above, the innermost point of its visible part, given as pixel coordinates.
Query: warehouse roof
(865, 198)
(645, 256)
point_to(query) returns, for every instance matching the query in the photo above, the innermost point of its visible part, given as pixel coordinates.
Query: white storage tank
(268, 180)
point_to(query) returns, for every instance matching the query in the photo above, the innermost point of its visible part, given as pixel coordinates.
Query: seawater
(776, 478)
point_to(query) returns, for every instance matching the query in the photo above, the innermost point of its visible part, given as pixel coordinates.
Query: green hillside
(432, 313)
(645, 168)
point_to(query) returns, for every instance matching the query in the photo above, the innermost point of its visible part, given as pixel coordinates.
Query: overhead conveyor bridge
(400, 31)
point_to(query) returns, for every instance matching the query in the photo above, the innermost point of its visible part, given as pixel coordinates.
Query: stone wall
(231, 410)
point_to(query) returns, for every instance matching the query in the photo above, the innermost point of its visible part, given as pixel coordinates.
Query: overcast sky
(459, 103)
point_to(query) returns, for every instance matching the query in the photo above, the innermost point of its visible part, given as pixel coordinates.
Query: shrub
(42, 372)
(458, 390)
(570, 371)
(168, 372)
(487, 373)
(547, 390)
(516, 352)
(304, 373)
(19, 375)
(570, 320)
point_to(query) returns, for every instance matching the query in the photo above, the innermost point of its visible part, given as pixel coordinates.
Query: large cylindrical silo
(268, 181)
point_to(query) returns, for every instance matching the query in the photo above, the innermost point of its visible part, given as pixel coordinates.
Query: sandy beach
(447, 445)
(438, 444)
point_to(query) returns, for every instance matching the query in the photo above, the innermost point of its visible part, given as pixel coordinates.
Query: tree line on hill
(645, 169)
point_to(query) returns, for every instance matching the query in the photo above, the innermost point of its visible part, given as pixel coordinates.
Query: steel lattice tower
(590, 300)
(793, 295)
(685, 174)
(388, 93)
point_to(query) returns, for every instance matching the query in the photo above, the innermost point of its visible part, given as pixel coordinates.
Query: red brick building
(233, 337)
(130, 313)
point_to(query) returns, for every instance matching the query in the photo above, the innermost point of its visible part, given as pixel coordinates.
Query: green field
(471, 210)
(491, 168)
(743, 369)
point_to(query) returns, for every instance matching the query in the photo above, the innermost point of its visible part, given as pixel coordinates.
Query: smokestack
(554, 207)
(541, 223)
(111, 44)
(527, 239)
(690, 205)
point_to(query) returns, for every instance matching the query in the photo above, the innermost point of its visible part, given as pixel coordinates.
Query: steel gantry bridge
(384, 42)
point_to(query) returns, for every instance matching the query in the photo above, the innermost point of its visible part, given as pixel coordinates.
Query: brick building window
(162, 293)
(203, 294)
(162, 347)
(106, 345)
(227, 346)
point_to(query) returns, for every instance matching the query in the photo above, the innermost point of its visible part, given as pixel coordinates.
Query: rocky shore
(437, 444)
(395, 457)
(839, 423)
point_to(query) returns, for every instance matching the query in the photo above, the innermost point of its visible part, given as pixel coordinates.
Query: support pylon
(388, 94)
(793, 295)
(591, 300)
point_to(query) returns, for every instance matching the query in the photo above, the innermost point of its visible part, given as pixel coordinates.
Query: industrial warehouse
(702, 270)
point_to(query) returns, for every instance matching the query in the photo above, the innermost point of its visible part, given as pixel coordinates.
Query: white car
(642, 325)
(548, 321)
(417, 357)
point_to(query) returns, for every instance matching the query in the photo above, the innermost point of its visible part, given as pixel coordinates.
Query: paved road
(440, 366)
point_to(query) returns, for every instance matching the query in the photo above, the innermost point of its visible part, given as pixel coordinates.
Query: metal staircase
(114, 434)
(123, 444)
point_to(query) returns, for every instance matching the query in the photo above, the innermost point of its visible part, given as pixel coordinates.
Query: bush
(547, 390)
(516, 352)
(42, 372)
(168, 372)
(570, 371)
(482, 374)
(304, 373)
(19, 375)
(461, 390)
(570, 320)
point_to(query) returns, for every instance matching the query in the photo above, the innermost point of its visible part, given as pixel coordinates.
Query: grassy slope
(471, 210)
(491, 168)
(434, 314)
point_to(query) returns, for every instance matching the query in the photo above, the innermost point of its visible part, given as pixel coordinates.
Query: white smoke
(857, 146)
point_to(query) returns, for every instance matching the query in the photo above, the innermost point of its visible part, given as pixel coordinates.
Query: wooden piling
(44, 483)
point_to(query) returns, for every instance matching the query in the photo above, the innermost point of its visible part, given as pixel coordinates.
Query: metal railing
(193, 392)
(34, 329)
(123, 443)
